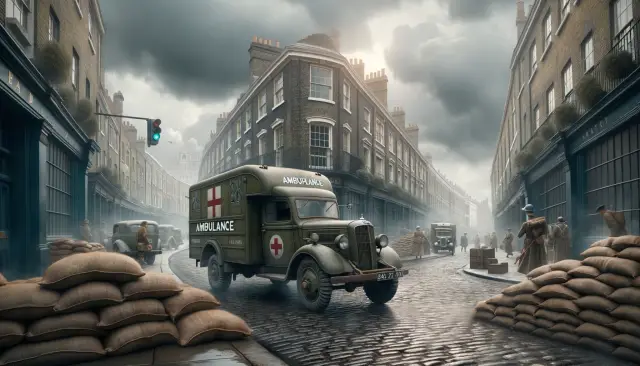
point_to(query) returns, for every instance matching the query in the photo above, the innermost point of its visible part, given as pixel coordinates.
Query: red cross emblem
(214, 202)
(276, 245)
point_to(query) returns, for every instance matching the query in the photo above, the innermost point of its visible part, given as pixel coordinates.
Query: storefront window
(58, 192)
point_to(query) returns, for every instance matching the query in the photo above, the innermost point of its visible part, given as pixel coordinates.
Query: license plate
(386, 276)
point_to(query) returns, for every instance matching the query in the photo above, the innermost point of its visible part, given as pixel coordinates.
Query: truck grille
(364, 239)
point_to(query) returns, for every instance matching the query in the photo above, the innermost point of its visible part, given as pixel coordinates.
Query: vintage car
(443, 237)
(124, 239)
(167, 237)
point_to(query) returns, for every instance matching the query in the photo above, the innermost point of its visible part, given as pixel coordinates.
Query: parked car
(124, 239)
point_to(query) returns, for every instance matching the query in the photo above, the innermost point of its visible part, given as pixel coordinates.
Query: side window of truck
(277, 211)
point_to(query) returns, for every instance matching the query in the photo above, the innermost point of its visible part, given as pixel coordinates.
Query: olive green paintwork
(390, 257)
(127, 232)
(328, 259)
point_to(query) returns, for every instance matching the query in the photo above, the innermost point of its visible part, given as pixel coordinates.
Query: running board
(273, 276)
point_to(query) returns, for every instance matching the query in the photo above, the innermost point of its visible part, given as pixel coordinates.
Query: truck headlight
(342, 241)
(382, 241)
(314, 237)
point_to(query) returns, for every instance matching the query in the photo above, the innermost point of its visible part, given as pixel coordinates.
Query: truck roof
(271, 177)
(443, 224)
(136, 222)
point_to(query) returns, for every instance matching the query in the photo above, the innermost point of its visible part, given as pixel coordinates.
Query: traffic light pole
(119, 115)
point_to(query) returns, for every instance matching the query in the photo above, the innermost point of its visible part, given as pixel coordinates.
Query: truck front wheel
(314, 286)
(381, 292)
(218, 279)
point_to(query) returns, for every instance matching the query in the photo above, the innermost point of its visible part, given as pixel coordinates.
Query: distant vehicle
(125, 239)
(167, 237)
(282, 224)
(177, 236)
(443, 237)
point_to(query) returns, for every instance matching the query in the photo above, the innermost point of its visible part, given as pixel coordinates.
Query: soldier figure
(534, 230)
(464, 242)
(508, 243)
(493, 240)
(615, 221)
(476, 241)
(418, 242)
(143, 242)
(560, 241)
(85, 231)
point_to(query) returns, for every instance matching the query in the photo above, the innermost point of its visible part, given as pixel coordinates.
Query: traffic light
(153, 131)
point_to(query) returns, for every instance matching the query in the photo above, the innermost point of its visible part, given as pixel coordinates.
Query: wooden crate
(498, 268)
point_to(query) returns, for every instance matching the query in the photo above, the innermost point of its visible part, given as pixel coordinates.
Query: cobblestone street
(427, 323)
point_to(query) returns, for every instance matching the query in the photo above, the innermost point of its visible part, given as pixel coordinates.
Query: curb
(488, 276)
(423, 259)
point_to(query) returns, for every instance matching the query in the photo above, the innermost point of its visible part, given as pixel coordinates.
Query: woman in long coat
(534, 230)
(494, 240)
(418, 243)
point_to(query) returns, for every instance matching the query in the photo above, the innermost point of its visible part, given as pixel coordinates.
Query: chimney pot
(269, 42)
(383, 72)
(259, 40)
(255, 38)
(278, 44)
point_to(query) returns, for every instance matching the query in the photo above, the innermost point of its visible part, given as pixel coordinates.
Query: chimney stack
(358, 67)
(521, 18)
(261, 54)
(398, 117)
(377, 82)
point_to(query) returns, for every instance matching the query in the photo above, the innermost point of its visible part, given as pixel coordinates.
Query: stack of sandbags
(594, 302)
(65, 247)
(404, 245)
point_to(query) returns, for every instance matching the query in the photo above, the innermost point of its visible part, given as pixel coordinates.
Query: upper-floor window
(247, 151)
(247, 119)
(346, 96)
(533, 55)
(75, 69)
(379, 131)
(278, 144)
(19, 10)
(566, 6)
(346, 140)
(546, 30)
(551, 100)
(229, 139)
(391, 141)
(278, 90)
(622, 16)
(367, 157)
(90, 21)
(238, 129)
(321, 83)
(367, 120)
(567, 79)
(262, 104)
(588, 59)
(536, 116)
(87, 89)
(399, 150)
(54, 26)
(319, 145)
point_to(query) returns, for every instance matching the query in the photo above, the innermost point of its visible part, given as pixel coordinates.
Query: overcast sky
(186, 61)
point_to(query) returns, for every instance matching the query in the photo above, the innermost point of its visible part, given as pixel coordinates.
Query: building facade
(310, 108)
(569, 135)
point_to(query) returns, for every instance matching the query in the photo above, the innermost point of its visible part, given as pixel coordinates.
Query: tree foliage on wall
(53, 63)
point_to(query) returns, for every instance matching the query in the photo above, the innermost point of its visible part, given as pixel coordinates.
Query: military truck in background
(282, 224)
(167, 238)
(124, 239)
(443, 237)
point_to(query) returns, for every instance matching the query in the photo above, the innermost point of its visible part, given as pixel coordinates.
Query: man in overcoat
(615, 221)
(508, 243)
(464, 242)
(418, 242)
(560, 240)
(534, 231)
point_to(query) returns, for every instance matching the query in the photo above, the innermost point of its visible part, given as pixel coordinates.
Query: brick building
(569, 136)
(310, 108)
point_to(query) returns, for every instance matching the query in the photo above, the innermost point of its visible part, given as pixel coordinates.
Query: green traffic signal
(156, 136)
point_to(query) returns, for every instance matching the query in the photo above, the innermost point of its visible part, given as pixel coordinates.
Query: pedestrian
(464, 242)
(476, 241)
(534, 231)
(85, 231)
(615, 221)
(560, 240)
(508, 243)
(418, 243)
(493, 238)
(143, 245)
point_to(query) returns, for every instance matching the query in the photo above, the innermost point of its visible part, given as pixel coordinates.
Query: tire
(316, 294)
(218, 279)
(149, 258)
(381, 292)
(172, 244)
(114, 248)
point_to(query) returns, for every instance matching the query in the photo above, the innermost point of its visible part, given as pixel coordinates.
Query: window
(319, 146)
(399, 176)
(75, 69)
(90, 21)
(87, 89)
(536, 116)
(551, 103)
(399, 150)
(379, 131)
(533, 54)
(623, 15)
(514, 128)
(229, 139)
(587, 53)
(277, 211)
(247, 119)
(247, 151)
(367, 120)
(113, 138)
(238, 158)
(262, 148)
(278, 91)
(566, 6)
(278, 144)
(100, 118)
(367, 158)
(392, 171)
(58, 191)
(321, 83)
(567, 79)
(54, 26)
(18, 9)
(238, 129)
(546, 29)
(379, 166)
(346, 140)
(391, 141)
(262, 104)
(346, 96)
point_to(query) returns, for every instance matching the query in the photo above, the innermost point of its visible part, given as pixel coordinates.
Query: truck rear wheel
(149, 258)
(381, 292)
(218, 279)
(314, 286)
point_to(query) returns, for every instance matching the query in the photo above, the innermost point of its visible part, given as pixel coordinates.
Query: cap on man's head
(508, 229)
(560, 219)
(417, 227)
(528, 208)
(143, 223)
(600, 208)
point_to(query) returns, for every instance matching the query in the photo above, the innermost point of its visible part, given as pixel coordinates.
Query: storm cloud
(475, 9)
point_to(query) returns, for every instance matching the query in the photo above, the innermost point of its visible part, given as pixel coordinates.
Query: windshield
(317, 208)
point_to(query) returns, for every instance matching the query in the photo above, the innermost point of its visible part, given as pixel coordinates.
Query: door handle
(263, 229)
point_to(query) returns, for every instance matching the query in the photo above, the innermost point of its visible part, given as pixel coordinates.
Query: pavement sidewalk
(512, 276)
(424, 257)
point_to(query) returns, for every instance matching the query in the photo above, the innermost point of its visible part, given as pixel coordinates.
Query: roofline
(163, 168)
(504, 117)
(525, 32)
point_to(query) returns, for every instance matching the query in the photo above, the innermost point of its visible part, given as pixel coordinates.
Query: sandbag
(504, 321)
(524, 287)
(614, 280)
(626, 327)
(627, 312)
(542, 333)
(64, 326)
(621, 266)
(602, 243)
(26, 302)
(64, 351)
(505, 311)
(565, 265)
(626, 296)
(626, 340)
(559, 291)
(193, 299)
(584, 272)
(635, 282)
(561, 306)
(632, 253)
(596, 317)
(526, 318)
(563, 327)
(3, 280)
(550, 278)
(595, 331)
(483, 315)
(559, 317)
(137, 337)
(526, 309)
(11, 333)
(529, 299)
(132, 312)
(589, 286)
(86, 267)
(60, 252)
(524, 327)
(539, 271)
(596, 344)
(483, 306)
(151, 286)
(212, 325)
(621, 243)
(90, 295)
(598, 252)
(597, 303)
(568, 338)
(627, 354)
(544, 323)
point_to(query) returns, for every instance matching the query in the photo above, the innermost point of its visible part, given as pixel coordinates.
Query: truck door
(277, 233)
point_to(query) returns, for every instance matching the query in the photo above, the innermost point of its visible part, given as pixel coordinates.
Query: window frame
(278, 144)
(367, 121)
(278, 88)
(551, 102)
(533, 56)
(54, 26)
(567, 76)
(547, 31)
(311, 84)
(588, 40)
(328, 150)
(346, 96)
(75, 69)
(262, 103)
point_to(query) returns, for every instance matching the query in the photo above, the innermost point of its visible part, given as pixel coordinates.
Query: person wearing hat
(560, 241)
(85, 231)
(464, 242)
(508, 243)
(143, 242)
(493, 239)
(615, 221)
(418, 242)
(534, 231)
(476, 241)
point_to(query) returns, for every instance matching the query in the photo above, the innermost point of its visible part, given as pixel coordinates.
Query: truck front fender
(211, 247)
(328, 260)
(121, 246)
(390, 257)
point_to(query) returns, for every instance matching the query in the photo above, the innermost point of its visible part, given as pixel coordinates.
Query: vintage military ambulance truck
(282, 224)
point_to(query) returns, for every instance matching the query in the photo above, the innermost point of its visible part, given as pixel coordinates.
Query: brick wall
(3, 10)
